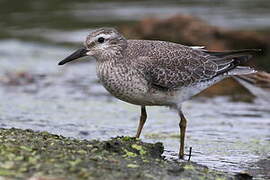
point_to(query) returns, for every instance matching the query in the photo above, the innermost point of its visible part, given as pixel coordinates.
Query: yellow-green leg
(142, 121)
(182, 125)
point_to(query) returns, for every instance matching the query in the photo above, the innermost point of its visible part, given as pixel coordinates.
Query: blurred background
(229, 131)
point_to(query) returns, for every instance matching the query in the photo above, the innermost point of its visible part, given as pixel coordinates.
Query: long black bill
(77, 54)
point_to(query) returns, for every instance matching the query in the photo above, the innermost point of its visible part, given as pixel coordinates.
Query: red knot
(158, 73)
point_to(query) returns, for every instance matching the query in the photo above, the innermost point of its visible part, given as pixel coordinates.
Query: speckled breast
(123, 82)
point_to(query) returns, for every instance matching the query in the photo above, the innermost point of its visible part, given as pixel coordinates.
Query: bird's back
(183, 71)
(153, 48)
(169, 65)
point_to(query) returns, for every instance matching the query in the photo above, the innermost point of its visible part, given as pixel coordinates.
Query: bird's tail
(230, 62)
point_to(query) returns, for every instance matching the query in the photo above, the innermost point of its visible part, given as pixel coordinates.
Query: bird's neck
(107, 57)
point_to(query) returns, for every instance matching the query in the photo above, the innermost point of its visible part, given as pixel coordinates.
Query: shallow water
(68, 100)
(224, 135)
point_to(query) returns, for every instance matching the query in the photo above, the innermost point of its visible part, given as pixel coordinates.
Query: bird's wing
(170, 68)
(182, 70)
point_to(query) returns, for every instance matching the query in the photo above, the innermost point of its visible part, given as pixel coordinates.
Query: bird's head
(103, 44)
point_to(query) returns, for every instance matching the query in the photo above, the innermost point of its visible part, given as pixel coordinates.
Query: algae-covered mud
(25, 154)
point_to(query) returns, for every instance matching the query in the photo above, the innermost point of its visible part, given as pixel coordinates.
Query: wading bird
(157, 73)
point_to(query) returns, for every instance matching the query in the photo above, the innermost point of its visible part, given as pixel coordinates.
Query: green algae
(25, 153)
(139, 148)
(132, 166)
(129, 154)
(162, 135)
(189, 167)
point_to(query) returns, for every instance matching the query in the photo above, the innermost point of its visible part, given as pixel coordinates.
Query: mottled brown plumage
(148, 73)
(170, 66)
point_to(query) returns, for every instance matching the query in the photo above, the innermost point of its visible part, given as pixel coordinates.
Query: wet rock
(41, 155)
(260, 79)
(20, 78)
(84, 133)
(26, 81)
(258, 84)
(243, 176)
(191, 30)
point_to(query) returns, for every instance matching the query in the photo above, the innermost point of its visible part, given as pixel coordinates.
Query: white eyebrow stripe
(105, 36)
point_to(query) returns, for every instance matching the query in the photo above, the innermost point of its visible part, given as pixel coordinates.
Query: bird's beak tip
(60, 63)
(77, 54)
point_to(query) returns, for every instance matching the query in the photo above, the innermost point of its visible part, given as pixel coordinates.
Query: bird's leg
(142, 121)
(182, 125)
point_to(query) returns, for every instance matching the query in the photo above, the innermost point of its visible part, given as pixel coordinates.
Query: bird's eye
(101, 40)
